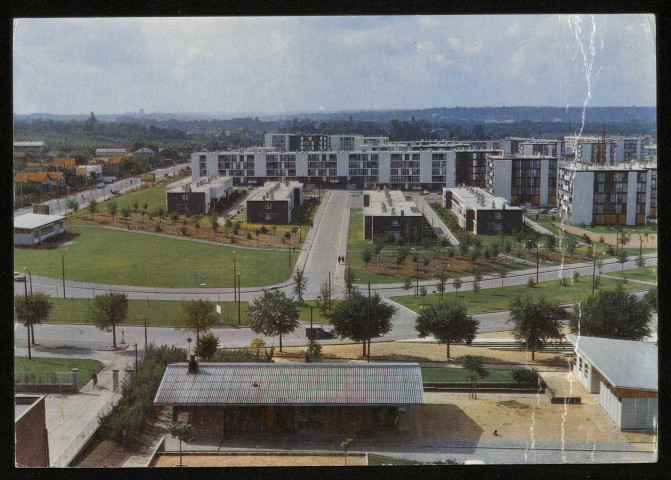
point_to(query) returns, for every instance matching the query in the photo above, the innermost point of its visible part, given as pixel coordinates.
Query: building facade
(389, 213)
(274, 202)
(529, 181)
(32, 229)
(31, 441)
(198, 197)
(624, 194)
(482, 213)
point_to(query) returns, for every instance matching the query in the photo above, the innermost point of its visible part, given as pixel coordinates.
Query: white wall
(425, 167)
(639, 413)
(583, 197)
(503, 170)
(384, 160)
(610, 404)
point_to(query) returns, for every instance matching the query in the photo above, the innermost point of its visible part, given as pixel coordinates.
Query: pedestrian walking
(94, 377)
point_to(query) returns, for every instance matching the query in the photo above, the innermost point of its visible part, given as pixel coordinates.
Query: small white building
(90, 171)
(622, 375)
(32, 228)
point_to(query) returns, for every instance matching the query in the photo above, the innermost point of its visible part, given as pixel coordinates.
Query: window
(269, 206)
(184, 417)
(497, 215)
(185, 196)
(395, 222)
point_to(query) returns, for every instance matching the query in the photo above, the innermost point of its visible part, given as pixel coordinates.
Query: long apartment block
(528, 181)
(624, 194)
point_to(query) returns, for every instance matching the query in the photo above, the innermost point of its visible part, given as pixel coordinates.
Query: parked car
(319, 333)
(553, 211)
(100, 185)
(19, 277)
(115, 191)
(107, 181)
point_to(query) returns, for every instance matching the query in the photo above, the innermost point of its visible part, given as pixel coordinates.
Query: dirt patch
(643, 441)
(252, 460)
(612, 238)
(515, 417)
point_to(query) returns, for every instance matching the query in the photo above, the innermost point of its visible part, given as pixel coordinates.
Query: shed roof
(37, 177)
(35, 220)
(624, 363)
(324, 384)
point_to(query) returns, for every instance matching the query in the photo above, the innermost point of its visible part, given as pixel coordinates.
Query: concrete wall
(279, 212)
(30, 435)
(583, 198)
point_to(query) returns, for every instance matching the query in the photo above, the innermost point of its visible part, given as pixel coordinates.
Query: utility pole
(368, 321)
(537, 263)
(311, 331)
(25, 287)
(235, 295)
(329, 289)
(136, 359)
(239, 295)
(145, 333)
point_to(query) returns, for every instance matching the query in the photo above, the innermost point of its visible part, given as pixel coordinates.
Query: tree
(576, 276)
(313, 354)
(535, 322)
(93, 207)
(273, 313)
(367, 256)
(349, 281)
(350, 318)
(72, 204)
(36, 311)
(346, 445)
(624, 239)
(475, 368)
(407, 283)
(502, 276)
(476, 284)
(125, 213)
(622, 258)
(612, 314)
(207, 346)
(651, 298)
(144, 210)
(456, 283)
(183, 431)
(214, 223)
(447, 323)
(301, 285)
(199, 315)
(550, 242)
(112, 209)
(174, 216)
(160, 213)
(325, 294)
(108, 311)
(640, 261)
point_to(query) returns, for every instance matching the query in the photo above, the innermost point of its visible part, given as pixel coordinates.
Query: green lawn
(355, 240)
(42, 367)
(165, 313)
(448, 374)
(493, 299)
(317, 315)
(647, 274)
(124, 258)
(154, 197)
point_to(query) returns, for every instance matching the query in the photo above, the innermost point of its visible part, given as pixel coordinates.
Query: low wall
(510, 387)
(45, 388)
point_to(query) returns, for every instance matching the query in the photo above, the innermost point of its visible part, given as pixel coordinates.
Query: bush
(183, 230)
(259, 355)
(525, 374)
(158, 228)
(236, 228)
(249, 236)
(531, 282)
(263, 229)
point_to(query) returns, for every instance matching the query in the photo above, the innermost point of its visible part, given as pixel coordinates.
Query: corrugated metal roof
(292, 384)
(624, 363)
(35, 220)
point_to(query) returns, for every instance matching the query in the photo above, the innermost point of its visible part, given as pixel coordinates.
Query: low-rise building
(308, 398)
(388, 212)
(198, 197)
(37, 147)
(108, 152)
(620, 194)
(274, 202)
(31, 441)
(94, 172)
(32, 228)
(44, 181)
(622, 375)
(65, 163)
(482, 213)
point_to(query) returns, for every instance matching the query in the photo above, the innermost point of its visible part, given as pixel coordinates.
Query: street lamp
(63, 266)
(189, 342)
(239, 298)
(442, 282)
(25, 289)
(31, 280)
(235, 295)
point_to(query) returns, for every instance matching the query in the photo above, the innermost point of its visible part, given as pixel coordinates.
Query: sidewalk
(72, 418)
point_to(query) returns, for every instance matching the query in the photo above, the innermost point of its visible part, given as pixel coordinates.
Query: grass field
(123, 258)
(43, 366)
(449, 374)
(154, 197)
(647, 274)
(165, 313)
(493, 299)
(355, 240)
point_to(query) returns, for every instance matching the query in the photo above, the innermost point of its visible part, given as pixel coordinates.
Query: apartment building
(621, 194)
(482, 213)
(274, 202)
(198, 197)
(529, 181)
(388, 212)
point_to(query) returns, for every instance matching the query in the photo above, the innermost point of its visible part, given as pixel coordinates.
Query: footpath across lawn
(493, 299)
(44, 367)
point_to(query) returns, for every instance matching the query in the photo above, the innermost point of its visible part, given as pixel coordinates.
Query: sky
(308, 64)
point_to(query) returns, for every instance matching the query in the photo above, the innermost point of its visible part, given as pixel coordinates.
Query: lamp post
(235, 295)
(442, 282)
(31, 280)
(239, 299)
(311, 332)
(537, 263)
(63, 267)
(136, 358)
(369, 322)
(25, 288)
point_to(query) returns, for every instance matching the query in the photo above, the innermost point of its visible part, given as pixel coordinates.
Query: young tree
(535, 322)
(640, 261)
(313, 354)
(109, 310)
(125, 213)
(346, 445)
(447, 323)
(199, 315)
(367, 256)
(92, 207)
(349, 281)
(325, 293)
(456, 283)
(112, 209)
(477, 278)
(350, 318)
(36, 311)
(612, 314)
(174, 216)
(475, 368)
(576, 276)
(273, 313)
(145, 206)
(407, 283)
(502, 275)
(72, 204)
(207, 346)
(622, 258)
(184, 432)
(300, 286)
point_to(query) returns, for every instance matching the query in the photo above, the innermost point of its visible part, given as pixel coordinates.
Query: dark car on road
(319, 333)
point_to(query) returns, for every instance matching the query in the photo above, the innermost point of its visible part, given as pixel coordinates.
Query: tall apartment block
(624, 194)
(529, 181)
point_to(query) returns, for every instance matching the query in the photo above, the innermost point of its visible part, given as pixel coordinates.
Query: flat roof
(304, 384)
(620, 167)
(276, 191)
(392, 205)
(28, 144)
(624, 363)
(35, 220)
(479, 199)
(202, 185)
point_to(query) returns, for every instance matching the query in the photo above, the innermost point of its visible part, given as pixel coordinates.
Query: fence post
(75, 380)
(115, 379)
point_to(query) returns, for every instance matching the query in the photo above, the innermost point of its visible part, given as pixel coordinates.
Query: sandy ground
(515, 417)
(258, 460)
(424, 352)
(611, 238)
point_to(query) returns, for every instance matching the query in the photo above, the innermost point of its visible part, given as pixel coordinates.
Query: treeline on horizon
(73, 134)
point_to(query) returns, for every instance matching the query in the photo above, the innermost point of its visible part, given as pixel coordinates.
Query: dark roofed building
(233, 398)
